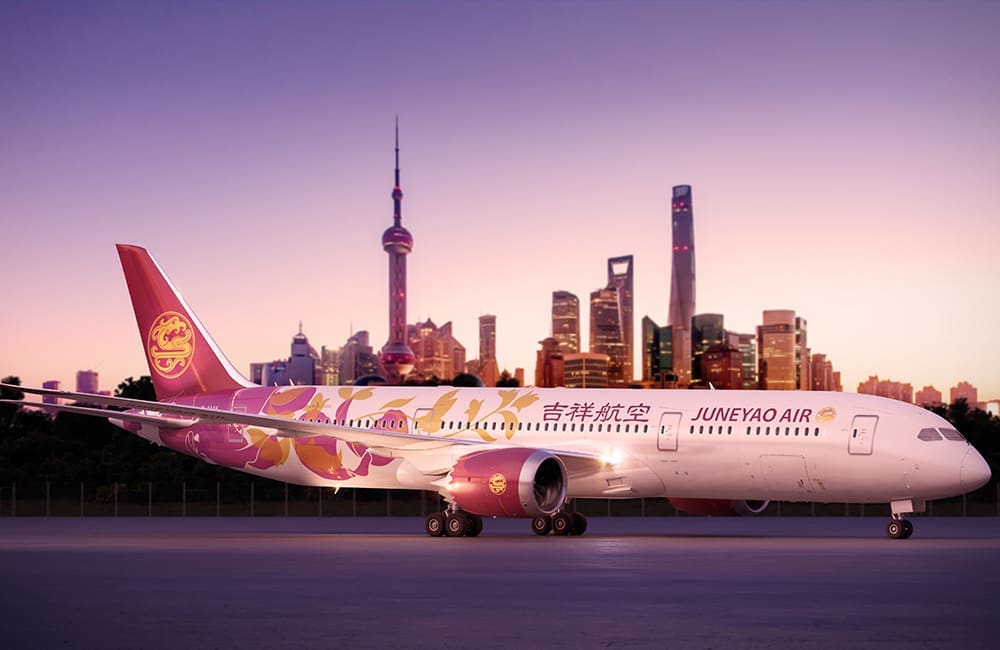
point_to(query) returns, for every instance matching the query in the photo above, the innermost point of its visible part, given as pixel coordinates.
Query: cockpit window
(929, 434)
(951, 434)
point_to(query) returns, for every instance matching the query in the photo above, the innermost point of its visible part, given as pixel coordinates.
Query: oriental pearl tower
(396, 357)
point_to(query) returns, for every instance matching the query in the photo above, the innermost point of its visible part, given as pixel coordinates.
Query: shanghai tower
(397, 358)
(682, 281)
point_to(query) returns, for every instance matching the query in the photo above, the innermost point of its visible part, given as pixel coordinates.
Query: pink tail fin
(183, 359)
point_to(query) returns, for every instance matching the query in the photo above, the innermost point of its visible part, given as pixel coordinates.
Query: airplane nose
(975, 473)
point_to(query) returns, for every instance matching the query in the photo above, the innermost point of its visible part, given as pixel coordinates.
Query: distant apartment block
(968, 392)
(928, 396)
(776, 354)
(86, 381)
(887, 388)
(52, 384)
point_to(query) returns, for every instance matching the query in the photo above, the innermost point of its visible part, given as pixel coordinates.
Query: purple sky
(844, 157)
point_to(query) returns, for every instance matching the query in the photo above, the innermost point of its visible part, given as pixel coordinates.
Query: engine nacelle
(509, 482)
(719, 507)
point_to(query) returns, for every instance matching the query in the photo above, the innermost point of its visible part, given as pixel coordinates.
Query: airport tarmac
(685, 582)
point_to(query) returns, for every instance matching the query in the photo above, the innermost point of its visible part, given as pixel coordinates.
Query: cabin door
(862, 434)
(666, 435)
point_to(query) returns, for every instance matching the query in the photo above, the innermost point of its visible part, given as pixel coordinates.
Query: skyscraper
(620, 276)
(606, 336)
(566, 321)
(549, 365)
(776, 350)
(487, 337)
(707, 331)
(86, 381)
(397, 358)
(682, 281)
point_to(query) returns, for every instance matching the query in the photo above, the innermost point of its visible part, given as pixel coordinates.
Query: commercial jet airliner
(527, 452)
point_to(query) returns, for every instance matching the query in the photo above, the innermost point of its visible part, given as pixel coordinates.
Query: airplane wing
(392, 443)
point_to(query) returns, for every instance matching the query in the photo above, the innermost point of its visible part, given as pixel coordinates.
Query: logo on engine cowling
(498, 484)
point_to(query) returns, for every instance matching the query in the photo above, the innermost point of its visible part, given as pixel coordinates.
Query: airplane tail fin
(183, 359)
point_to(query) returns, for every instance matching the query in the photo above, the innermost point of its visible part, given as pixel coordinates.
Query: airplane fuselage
(754, 445)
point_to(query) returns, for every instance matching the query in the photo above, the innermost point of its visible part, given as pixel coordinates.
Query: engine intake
(510, 482)
(719, 507)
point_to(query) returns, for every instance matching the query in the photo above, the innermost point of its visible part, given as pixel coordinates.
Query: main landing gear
(453, 524)
(899, 528)
(561, 523)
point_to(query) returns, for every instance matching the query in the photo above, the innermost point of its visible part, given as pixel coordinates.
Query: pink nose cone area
(975, 472)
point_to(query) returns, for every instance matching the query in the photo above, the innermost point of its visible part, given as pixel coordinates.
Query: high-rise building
(682, 281)
(397, 358)
(822, 375)
(621, 272)
(747, 345)
(52, 384)
(357, 359)
(707, 332)
(657, 355)
(968, 392)
(776, 358)
(803, 370)
(606, 336)
(437, 352)
(586, 370)
(300, 369)
(487, 337)
(549, 365)
(566, 321)
(721, 366)
(928, 396)
(86, 381)
(329, 369)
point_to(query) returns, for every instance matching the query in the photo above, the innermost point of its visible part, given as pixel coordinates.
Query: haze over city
(843, 160)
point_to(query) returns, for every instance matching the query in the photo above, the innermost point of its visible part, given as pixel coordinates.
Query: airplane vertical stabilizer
(183, 359)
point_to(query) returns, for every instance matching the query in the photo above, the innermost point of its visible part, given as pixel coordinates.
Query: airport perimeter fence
(273, 499)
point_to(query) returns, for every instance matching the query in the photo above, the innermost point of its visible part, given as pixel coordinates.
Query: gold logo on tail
(170, 344)
(498, 484)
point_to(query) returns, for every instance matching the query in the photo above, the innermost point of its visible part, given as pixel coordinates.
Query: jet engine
(719, 507)
(509, 482)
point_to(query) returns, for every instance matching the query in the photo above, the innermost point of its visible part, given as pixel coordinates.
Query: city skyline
(844, 159)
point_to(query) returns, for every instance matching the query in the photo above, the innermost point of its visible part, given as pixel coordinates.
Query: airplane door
(862, 434)
(666, 435)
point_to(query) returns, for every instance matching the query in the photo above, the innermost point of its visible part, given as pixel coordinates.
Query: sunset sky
(844, 159)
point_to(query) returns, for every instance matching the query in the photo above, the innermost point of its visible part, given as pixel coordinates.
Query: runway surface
(374, 583)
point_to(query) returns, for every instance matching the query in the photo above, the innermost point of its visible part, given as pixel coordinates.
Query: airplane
(528, 452)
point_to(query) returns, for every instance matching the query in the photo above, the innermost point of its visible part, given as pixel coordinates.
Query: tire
(579, 524)
(541, 525)
(456, 524)
(434, 524)
(562, 524)
(895, 529)
(475, 526)
(907, 529)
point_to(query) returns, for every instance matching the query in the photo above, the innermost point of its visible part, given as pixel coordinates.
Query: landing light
(615, 457)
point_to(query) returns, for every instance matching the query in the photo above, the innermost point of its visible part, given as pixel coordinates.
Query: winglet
(183, 359)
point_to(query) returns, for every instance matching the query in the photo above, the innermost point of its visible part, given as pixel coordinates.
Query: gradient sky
(844, 158)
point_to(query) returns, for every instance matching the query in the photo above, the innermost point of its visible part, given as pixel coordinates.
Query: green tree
(141, 388)
(506, 380)
(8, 411)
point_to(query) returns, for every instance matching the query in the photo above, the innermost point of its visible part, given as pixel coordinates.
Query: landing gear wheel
(562, 523)
(541, 525)
(475, 526)
(896, 529)
(434, 524)
(456, 524)
(579, 524)
(907, 529)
